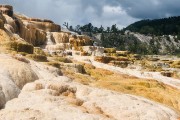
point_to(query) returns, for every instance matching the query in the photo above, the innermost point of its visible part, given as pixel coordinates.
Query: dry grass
(61, 59)
(109, 50)
(175, 64)
(176, 74)
(20, 58)
(54, 64)
(149, 66)
(38, 51)
(150, 89)
(19, 46)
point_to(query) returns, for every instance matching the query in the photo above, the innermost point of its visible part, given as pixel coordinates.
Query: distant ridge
(163, 26)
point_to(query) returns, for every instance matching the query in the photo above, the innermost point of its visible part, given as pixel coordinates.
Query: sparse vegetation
(175, 64)
(54, 64)
(128, 84)
(61, 59)
(167, 73)
(20, 58)
(22, 53)
(38, 51)
(104, 59)
(19, 47)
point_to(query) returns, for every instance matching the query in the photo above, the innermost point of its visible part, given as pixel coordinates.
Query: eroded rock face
(17, 71)
(47, 26)
(57, 42)
(10, 21)
(4, 36)
(6, 9)
(2, 98)
(32, 30)
(31, 34)
(2, 21)
(43, 24)
(94, 50)
(14, 74)
(61, 37)
(60, 98)
(74, 67)
(80, 40)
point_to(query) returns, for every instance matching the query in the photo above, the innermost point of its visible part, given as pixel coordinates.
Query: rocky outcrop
(16, 71)
(73, 67)
(167, 73)
(4, 36)
(2, 21)
(162, 44)
(47, 26)
(80, 40)
(58, 47)
(61, 98)
(61, 37)
(11, 22)
(57, 42)
(6, 9)
(94, 50)
(39, 32)
(13, 78)
(30, 33)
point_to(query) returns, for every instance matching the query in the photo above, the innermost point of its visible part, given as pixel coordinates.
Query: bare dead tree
(66, 25)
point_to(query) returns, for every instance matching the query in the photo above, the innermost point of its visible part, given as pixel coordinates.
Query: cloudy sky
(98, 12)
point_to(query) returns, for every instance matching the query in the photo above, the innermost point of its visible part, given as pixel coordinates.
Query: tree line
(89, 28)
(164, 26)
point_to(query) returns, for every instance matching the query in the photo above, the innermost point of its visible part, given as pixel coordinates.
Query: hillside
(139, 43)
(146, 37)
(164, 26)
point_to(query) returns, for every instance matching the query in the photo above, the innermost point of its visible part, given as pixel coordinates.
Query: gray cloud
(144, 9)
(98, 12)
